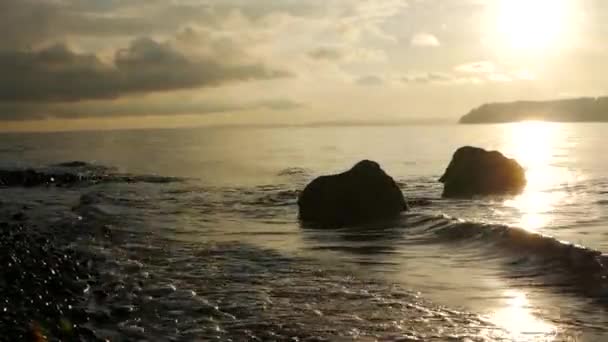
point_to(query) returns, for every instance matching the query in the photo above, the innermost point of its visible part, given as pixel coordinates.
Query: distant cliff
(570, 110)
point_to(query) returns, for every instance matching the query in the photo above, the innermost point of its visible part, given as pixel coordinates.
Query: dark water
(201, 240)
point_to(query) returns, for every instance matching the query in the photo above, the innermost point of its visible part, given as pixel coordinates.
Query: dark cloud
(142, 107)
(261, 8)
(41, 78)
(59, 19)
(326, 53)
(58, 74)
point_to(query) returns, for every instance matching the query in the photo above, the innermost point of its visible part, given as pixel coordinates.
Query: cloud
(482, 67)
(57, 73)
(370, 80)
(429, 77)
(440, 78)
(424, 40)
(495, 73)
(81, 58)
(365, 19)
(326, 53)
(366, 55)
(348, 54)
(56, 19)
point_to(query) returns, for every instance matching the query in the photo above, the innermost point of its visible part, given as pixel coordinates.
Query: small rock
(475, 171)
(20, 216)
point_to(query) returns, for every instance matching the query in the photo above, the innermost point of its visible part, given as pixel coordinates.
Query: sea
(199, 237)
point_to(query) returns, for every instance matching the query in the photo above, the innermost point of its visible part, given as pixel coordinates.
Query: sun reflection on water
(533, 144)
(517, 319)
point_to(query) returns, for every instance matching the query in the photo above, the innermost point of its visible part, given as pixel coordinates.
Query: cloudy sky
(71, 64)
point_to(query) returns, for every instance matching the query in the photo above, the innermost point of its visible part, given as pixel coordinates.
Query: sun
(531, 25)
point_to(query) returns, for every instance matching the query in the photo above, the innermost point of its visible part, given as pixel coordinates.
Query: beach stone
(362, 194)
(475, 171)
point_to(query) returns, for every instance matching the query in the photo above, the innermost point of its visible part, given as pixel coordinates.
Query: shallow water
(219, 253)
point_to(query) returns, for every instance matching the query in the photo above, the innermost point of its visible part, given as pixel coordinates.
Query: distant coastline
(589, 109)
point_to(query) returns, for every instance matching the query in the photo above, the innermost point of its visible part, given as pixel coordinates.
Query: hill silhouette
(591, 109)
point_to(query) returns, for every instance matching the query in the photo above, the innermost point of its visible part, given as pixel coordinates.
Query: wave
(487, 238)
(522, 252)
(528, 253)
(294, 171)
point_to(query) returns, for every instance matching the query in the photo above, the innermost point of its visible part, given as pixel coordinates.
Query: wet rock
(20, 216)
(67, 178)
(362, 194)
(475, 171)
(75, 163)
(31, 178)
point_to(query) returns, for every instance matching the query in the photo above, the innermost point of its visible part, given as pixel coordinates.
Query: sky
(106, 64)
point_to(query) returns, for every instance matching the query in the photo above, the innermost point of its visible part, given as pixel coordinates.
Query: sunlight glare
(517, 318)
(531, 25)
(532, 144)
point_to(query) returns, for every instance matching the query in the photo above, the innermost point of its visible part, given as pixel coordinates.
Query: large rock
(475, 171)
(361, 194)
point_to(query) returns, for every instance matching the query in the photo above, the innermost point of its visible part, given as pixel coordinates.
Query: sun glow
(531, 25)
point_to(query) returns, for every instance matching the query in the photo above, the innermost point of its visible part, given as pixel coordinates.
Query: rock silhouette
(475, 171)
(362, 194)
